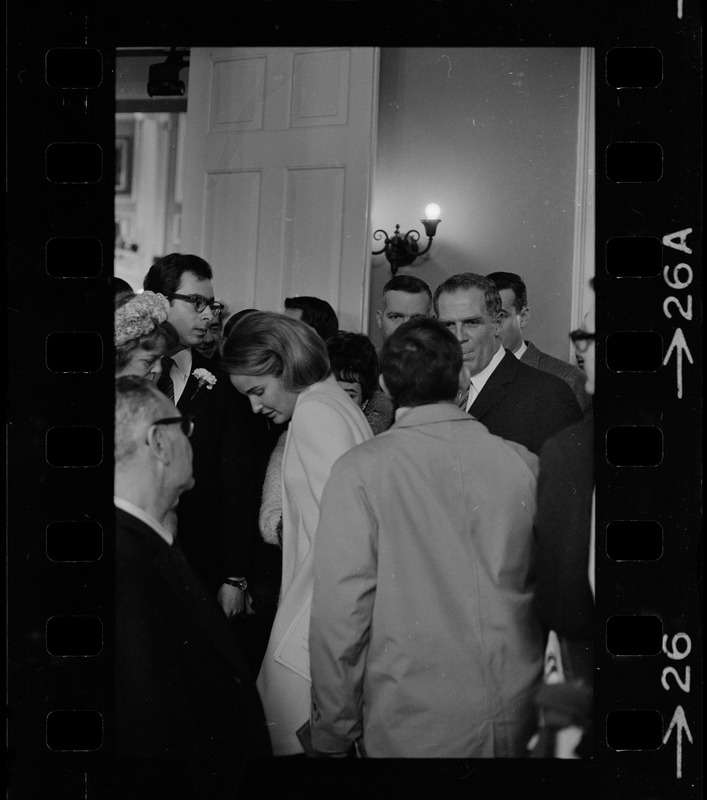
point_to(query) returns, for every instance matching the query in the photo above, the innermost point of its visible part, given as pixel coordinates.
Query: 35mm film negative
(61, 132)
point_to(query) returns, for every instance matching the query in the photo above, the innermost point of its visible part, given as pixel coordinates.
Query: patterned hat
(139, 316)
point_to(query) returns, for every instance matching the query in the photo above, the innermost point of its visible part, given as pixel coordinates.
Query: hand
(231, 600)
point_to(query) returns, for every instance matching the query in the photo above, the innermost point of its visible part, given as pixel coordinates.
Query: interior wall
(490, 135)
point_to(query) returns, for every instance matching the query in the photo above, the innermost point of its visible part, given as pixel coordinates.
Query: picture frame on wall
(123, 164)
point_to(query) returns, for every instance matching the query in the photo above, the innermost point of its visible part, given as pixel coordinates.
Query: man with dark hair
(405, 297)
(217, 521)
(187, 710)
(315, 312)
(423, 640)
(514, 317)
(513, 400)
(210, 346)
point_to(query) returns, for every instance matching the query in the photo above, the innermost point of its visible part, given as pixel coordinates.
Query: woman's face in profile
(268, 395)
(143, 363)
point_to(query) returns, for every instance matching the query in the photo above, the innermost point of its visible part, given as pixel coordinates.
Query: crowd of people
(325, 550)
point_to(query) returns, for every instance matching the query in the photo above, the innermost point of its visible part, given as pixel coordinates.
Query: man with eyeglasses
(217, 521)
(183, 688)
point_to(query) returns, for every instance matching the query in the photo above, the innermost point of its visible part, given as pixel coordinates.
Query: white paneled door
(280, 149)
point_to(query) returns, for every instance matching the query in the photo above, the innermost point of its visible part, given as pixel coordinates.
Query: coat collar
(493, 392)
(434, 412)
(531, 357)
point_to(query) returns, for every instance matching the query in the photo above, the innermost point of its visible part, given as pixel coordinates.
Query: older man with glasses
(184, 694)
(217, 522)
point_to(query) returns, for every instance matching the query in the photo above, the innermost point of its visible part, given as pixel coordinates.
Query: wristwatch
(238, 583)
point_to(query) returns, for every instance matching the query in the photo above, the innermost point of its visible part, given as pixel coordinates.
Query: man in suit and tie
(217, 521)
(184, 694)
(514, 317)
(513, 400)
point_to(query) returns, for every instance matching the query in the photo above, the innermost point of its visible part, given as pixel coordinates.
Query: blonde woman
(281, 365)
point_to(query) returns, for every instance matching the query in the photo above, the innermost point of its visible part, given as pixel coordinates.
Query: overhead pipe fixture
(400, 250)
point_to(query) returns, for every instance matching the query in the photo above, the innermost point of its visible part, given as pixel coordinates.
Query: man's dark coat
(217, 519)
(524, 404)
(183, 688)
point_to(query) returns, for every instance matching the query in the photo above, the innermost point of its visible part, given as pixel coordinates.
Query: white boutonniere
(205, 378)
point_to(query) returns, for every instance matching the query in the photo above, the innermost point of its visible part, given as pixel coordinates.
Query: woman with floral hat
(141, 334)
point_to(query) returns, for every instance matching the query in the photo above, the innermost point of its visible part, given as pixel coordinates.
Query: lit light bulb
(432, 211)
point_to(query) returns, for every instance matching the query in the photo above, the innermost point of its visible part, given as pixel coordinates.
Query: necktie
(165, 384)
(463, 400)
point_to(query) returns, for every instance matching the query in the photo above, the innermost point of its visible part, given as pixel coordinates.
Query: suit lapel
(531, 357)
(184, 404)
(494, 391)
(185, 398)
(188, 397)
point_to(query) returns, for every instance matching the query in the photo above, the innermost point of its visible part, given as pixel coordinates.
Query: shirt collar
(400, 411)
(431, 412)
(183, 361)
(141, 514)
(519, 352)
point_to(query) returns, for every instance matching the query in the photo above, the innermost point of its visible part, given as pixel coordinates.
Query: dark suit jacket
(562, 530)
(218, 518)
(183, 688)
(524, 404)
(569, 373)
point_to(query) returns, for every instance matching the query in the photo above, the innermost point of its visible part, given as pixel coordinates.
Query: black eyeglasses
(199, 302)
(581, 339)
(186, 423)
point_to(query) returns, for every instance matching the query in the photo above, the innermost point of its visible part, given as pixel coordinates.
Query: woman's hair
(233, 319)
(317, 313)
(141, 321)
(353, 358)
(265, 343)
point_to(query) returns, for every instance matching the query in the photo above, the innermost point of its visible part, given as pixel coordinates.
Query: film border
(40, 304)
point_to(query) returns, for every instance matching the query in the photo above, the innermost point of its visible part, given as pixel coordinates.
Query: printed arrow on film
(679, 723)
(679, 345)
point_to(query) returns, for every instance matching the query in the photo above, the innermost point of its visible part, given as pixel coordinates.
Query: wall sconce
(403, 250)
(163, 79)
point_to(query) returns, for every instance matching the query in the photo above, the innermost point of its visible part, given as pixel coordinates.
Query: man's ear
(524, 317)
(159, 443)
(379, 317)
(497, 324)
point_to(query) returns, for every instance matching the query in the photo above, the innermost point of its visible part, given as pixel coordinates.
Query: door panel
(280, 149)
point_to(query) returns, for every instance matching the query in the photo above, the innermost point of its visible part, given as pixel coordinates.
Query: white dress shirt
(519, 352)
(141, 514)
(479, 381)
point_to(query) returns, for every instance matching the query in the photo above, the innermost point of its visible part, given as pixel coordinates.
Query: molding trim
(583, 253)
